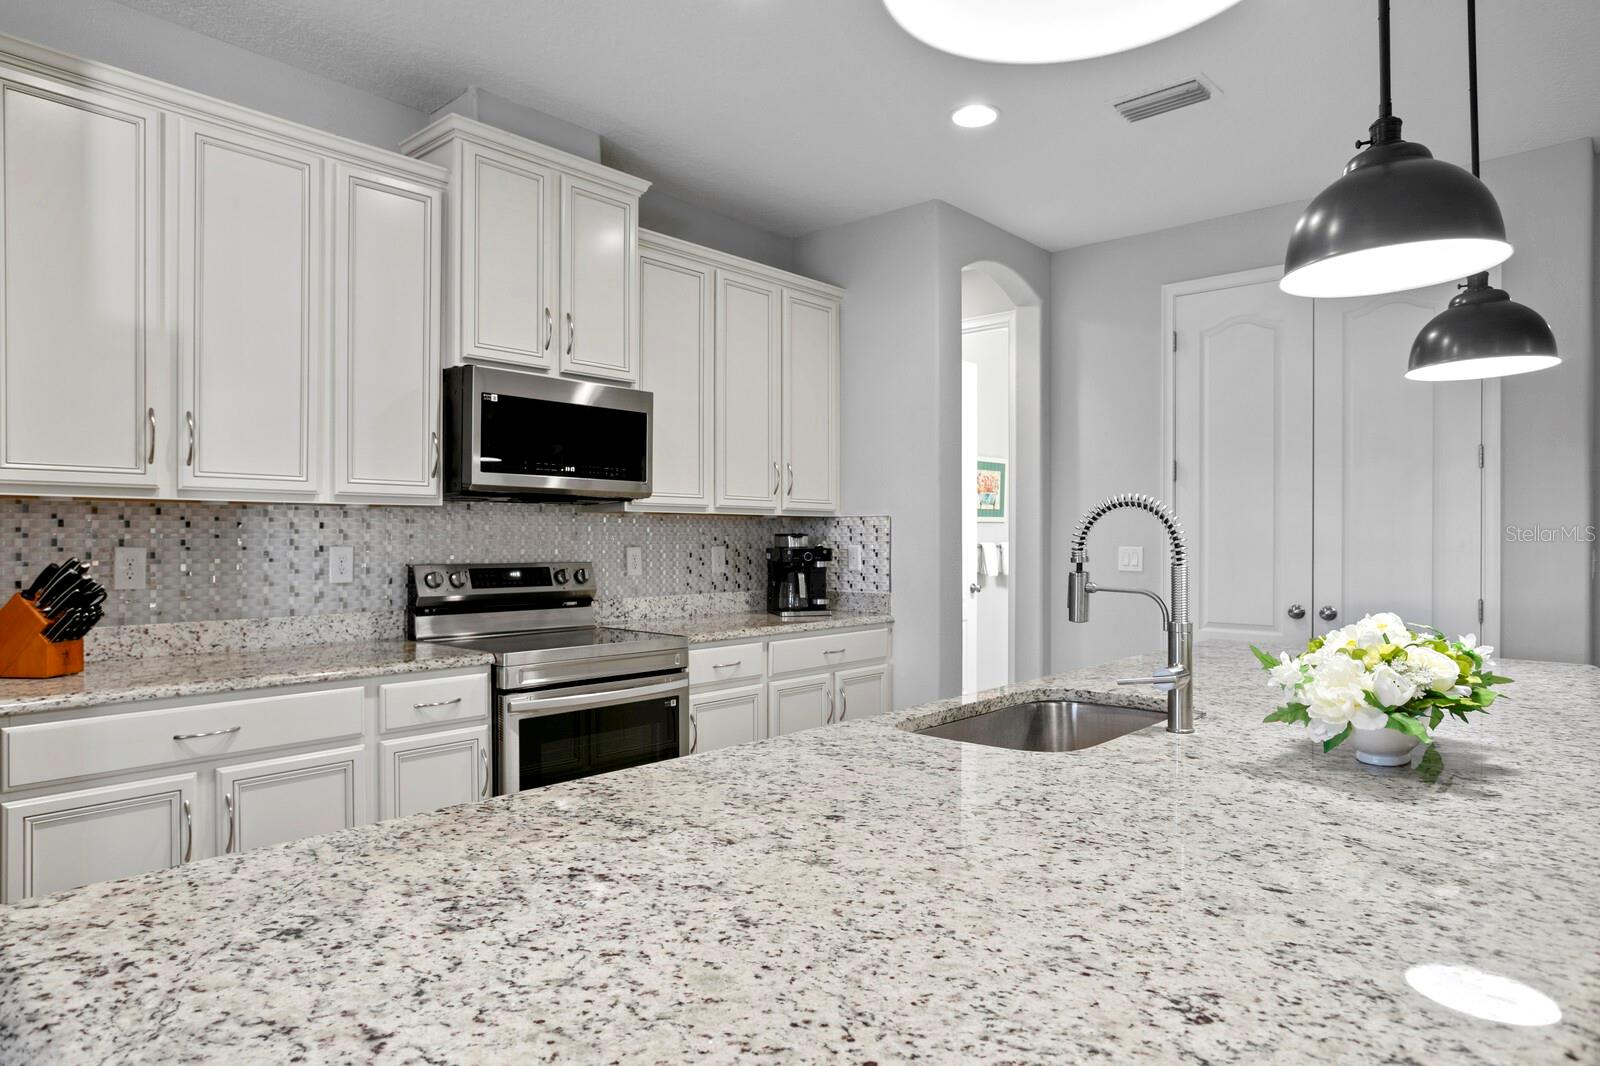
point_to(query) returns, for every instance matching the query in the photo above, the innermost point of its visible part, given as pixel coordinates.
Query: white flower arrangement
(1379, 674)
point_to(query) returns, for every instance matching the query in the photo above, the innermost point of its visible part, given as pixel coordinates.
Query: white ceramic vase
(1384, 747)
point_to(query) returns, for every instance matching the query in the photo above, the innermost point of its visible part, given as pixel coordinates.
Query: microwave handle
(536, 706)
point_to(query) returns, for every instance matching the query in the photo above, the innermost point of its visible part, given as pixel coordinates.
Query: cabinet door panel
(386, 336)
(278, 800)
(726, 717)
(80, 373)
(801, 703)
(810, 403)
(507, 293)
(77, 838)
(862, 693)
(676, 364)
(249, 308)
(434, 770)
(748, 385)
(599, 280)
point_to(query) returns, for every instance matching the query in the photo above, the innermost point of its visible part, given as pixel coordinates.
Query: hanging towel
(993, 557)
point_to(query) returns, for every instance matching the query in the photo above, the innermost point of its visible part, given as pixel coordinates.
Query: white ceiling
(795, 115)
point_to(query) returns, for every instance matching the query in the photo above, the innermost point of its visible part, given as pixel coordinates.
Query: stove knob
(458, 579)
(560, 577)
(433, 579)
(580, 576)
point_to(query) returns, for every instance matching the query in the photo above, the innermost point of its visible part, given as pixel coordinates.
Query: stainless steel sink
(1057, 725)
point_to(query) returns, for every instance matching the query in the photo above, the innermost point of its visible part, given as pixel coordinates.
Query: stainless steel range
(571, 698)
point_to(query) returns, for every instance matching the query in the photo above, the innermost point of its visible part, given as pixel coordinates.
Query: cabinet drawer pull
(435, 475)
(150, 451)
(694, 732)
(572, 332)
(227, 799)
(790, 467)
(188, 416)
(549, 329)
(211, 733)
(727, 666)
(833, 651)
(188, 822)
(483, 758)
(435, 703)
(777, 478)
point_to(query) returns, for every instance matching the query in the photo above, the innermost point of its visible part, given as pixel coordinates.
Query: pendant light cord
(1385, 98)
(1472, 77)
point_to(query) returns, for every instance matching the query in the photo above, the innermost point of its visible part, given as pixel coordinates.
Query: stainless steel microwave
(512, 433)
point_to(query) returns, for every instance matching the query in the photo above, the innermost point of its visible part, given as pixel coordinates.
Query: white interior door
(987, 345)
(968, 575)
(1399, 489)
(1242, 479)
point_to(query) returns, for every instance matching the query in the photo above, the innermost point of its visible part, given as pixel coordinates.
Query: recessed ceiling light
(1036, 31)
(974, 116)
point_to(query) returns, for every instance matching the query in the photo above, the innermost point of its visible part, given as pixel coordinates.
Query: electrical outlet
(1130, 560)
(128, 569)
(719, 559)
(853, 557)
(341, 564)
(635, 560)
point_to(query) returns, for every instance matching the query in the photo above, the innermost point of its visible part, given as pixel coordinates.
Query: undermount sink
(1057, 725)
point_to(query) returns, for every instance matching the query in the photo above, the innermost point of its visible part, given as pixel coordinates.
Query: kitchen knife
(58, 594)
(87, 620)
(41, 581)
(86, 593)
(67, 570)
(57, 631)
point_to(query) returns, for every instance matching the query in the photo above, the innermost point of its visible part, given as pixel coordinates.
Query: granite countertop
(107, 682)
(865, 893)
(756, 625)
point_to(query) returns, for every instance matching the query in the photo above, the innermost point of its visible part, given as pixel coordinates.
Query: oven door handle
(536, 706)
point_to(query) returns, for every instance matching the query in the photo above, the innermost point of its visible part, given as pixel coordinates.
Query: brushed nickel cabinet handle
(189, 417)
(830, 706)
(227, 799)
(777, 478)
(791, 478)
(188, 821)
(435, 703)
(694, 732)
(209, 733)
(549, 328)
(844, 702)
(572, 333)
(150, 447)
(833, 651)
(483, 759)
(435, 475)
(726, 666)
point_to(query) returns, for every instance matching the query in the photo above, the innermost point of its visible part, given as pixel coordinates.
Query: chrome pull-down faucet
(1177, 678)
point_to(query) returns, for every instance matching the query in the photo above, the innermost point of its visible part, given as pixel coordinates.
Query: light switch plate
(128, 569)
(1130, 559)
(635, 560)
(341, 564)
(719, 559)
(853, 556)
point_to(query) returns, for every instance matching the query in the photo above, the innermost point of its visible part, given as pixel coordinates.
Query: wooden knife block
(23, 650)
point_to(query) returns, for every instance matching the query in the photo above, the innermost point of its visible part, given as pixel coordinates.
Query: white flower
(1286, 674)
(1369, 717)
(1321, 730)
(1484, 651)
(1376, 630)
(1393, 688)
(1439, 670)
(1340, 671)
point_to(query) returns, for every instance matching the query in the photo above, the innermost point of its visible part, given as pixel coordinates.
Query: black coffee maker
(797, 577)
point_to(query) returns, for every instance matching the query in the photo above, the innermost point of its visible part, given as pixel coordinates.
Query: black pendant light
(1484, 333)
(1397, 219)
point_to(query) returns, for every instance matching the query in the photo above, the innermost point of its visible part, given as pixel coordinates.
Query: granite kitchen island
(865, 893)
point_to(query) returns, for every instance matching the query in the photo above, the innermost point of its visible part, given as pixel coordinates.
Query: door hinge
(1174, 340)
(1174, 470)
(1480, 610)
(1480, 457)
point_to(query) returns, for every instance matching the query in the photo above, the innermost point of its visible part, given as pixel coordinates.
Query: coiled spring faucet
(1177, 678)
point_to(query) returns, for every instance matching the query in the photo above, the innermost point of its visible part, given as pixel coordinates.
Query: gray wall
(1106, 397)
(901, 399)
(665, 213)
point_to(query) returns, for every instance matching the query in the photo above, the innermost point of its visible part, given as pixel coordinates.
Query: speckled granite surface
(759, 625)
(109, 682)
(861, 893)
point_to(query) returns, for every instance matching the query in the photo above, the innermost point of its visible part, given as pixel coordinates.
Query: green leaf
(1333, 742)
(1431, 766)
(1372, 698)
(1496, 679)
(1434, 718)
(1269, 661)
(1482, 697)
(1294, 712)
(1404, 723)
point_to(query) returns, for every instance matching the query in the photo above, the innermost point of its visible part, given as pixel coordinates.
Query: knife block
(23, 650)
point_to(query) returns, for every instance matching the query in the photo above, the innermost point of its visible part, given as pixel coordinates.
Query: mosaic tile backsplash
(210, 561)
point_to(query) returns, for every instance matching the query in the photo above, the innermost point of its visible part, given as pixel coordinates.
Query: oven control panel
(463, 581)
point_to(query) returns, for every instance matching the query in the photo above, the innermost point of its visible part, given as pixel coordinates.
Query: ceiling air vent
(1160, 101)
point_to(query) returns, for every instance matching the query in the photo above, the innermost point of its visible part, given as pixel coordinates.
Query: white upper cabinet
(249, 311)
(677, 367)
(507, 291)
(82, 368)
(541, 263)
(386, 336)
(810, 403)
(749, 377)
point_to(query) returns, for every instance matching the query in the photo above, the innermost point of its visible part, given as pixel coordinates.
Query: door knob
(1296, 611)
(1327, 612)
(974, 588)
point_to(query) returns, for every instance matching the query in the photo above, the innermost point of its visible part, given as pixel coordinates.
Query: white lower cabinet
(62, 841)
(800, 703)
(277, 800)
(424, 773)
(862, 693)
(727, 717)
